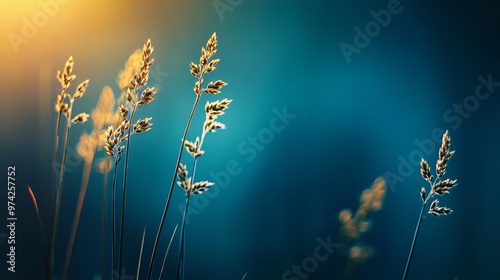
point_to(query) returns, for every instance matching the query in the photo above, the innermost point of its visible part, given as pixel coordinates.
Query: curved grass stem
(78, 213)
(46, 258)
(167, 203)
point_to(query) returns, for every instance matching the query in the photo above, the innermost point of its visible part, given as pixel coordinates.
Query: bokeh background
(353, 121)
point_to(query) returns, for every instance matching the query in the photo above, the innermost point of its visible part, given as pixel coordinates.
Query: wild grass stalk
(125, 130)
(212, 111)
(65, 77)
(115, 150)
(198, 71)
(169, 196)
(438, 186)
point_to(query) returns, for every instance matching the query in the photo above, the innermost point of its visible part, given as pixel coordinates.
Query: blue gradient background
(354, 121)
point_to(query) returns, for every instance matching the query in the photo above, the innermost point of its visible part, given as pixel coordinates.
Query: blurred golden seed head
(376, 205)
(131, 67)
(80, 118)
(361, 253)
(86, 147)
(103, 113)
(104, 165)
(345, 215)
(362, 211)
(366, 195)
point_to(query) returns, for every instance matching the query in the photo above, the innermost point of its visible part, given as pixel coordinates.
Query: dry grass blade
(44, 244)
(166, 253)
(140, 254)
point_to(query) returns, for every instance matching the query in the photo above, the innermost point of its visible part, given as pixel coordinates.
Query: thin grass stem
(103, 226)
(113, 216)
(54, 158)
(78, 213)
(140, 254)
(59, 192)
(168, 250)
(180, 270)
(410, 255)
(124, 191)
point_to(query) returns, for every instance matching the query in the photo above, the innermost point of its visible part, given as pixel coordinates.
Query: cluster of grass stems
(113, 129)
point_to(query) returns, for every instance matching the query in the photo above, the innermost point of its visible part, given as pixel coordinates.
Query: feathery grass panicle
(438, 186)
(198, 70)
(444, 155)
(131, 67)
(425, 171)
(112, 130)
(104, 113)
(212, 111)
(135, 101)
(360, 254)
(114, 150)
(64, 108)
